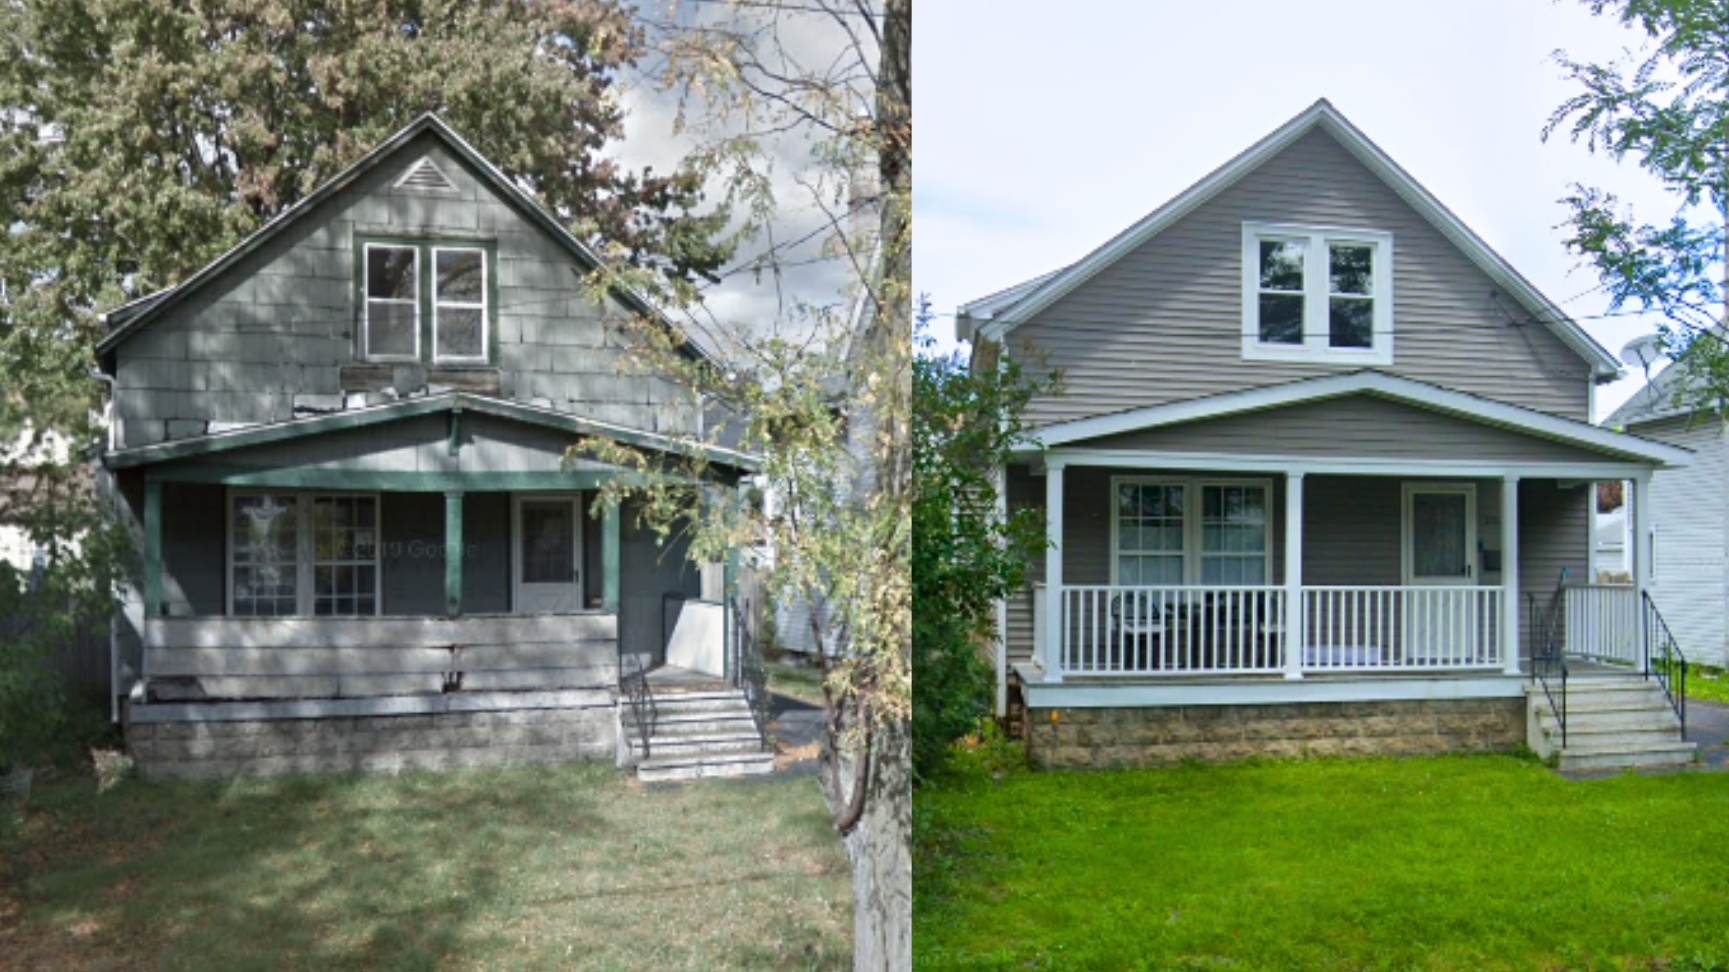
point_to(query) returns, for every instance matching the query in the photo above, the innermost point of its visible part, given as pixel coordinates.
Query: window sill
(1305, 354)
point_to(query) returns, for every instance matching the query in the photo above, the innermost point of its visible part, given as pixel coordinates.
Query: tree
(802, 110)
(1670, 110)
(967, 554)
(139, 140)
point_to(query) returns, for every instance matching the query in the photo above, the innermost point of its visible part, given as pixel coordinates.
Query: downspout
(113, 498)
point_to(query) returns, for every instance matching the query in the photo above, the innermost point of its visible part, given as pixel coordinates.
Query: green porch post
(152, 547)
(609, 562)
(728, 588)
(453, 553)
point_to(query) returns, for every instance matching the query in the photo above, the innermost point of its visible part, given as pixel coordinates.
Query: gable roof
(1396, 388)
(994, 316)
(1654, 401)
(129, 318)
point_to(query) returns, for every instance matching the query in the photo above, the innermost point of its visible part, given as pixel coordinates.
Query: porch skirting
(1134, 736)
(220, 749)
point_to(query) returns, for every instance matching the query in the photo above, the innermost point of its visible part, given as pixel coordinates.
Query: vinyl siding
(280, 324)
(1359, 425)
(1554, 535)
(1163, 323)
(1690, 509)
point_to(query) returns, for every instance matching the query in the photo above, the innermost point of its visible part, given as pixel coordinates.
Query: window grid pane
(1150, 541)
(266, 547)
(344, 555)
(1233, 535)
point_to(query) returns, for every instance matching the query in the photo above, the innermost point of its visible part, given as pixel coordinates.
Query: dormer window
(426, 301)
(1317, 294)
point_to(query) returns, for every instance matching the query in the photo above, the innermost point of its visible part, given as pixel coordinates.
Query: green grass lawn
(1707, 684)
(536, 868)
(794, 678)
(1453, 863)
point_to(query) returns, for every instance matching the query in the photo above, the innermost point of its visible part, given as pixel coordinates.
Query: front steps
(698, 733)
(1613, 722)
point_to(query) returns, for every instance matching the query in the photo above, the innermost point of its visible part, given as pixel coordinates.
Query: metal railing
(1548, 656)
(633, 682)
(1602, 623)
(748, 672)
(1664, 661)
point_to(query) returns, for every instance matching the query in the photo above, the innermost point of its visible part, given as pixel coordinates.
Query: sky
(1044, 129)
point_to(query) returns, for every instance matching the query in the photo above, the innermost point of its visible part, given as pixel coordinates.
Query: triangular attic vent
(426, 177)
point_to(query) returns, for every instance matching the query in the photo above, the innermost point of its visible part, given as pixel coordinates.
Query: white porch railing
(1242, 630)
(1601, 622)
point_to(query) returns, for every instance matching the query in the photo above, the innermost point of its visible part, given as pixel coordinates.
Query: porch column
(1296, 627)
(1052, 661)
(453, 553)
(609, 556)
(152, 547)
(1510, 574)
(1642, 548)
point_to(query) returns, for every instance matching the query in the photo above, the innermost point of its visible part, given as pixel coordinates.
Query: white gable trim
(994, 322)
(1404, 390)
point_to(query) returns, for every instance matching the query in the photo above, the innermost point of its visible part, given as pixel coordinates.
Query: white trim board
(1272, 691)
(986, 318)
(1395, 388)
(1219, 462)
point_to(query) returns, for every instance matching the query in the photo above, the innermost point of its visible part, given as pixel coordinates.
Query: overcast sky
(1044, 129)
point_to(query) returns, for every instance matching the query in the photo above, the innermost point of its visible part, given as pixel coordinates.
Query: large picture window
(1169, 532)
(1317, 294)
(302, 554)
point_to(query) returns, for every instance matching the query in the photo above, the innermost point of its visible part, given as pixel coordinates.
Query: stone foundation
(1158, 736)
(387, 744)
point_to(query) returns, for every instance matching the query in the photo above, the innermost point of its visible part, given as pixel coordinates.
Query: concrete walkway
(797, 730)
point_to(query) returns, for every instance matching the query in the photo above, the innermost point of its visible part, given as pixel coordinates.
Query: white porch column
(1642, 548)
(1052, 661)
(1510, 574)
(1295, 624)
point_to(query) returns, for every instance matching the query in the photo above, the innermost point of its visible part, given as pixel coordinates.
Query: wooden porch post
(1510, 574)
(152, 547)
(609, 560)
(1642, 548)
(453, 553)
(1052, 661)
(1296, 627)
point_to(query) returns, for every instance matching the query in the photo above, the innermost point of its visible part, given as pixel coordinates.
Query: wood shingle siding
(1164, 323)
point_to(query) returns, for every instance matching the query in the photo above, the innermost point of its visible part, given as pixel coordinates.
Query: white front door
(1440, 551)
(546, 554)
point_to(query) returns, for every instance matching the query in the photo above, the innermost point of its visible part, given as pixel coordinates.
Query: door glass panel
(548, 542)
(1438, 531)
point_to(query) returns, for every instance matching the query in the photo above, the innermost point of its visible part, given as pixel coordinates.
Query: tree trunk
(879, 851)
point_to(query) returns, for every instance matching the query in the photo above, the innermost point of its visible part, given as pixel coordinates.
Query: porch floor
(672, 678)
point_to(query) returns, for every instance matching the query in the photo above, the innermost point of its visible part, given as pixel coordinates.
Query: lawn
(538, 868)
(793, 677)
(1453, 863)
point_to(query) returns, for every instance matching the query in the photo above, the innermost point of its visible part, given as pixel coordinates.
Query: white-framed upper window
(1313, 293)
(390, 324)
(1173, 531)
(459, 317)
(302, 554)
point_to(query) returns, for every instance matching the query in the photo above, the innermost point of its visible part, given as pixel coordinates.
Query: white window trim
(304, 598)
(485, 323)
(1315, 347)
(1192, 509)
(1407, 567)
(366, 300)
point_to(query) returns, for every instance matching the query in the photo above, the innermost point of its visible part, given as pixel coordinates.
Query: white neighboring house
(1611, 543)
(1690, 517)
(16, 547)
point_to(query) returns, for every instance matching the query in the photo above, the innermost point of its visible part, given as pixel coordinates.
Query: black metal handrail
(633, 681)
(748, 672)
(1664, 661)
(1548, 657)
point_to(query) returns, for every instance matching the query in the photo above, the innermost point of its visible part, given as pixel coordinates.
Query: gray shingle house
(343, 444)
(1319, 461)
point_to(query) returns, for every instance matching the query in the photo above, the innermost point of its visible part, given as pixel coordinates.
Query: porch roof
(453, 404)
(1613, 446)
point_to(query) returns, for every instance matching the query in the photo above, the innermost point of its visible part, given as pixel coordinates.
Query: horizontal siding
(1690, 509)
(1163, 323)
(1554, 535)
(1358, 425)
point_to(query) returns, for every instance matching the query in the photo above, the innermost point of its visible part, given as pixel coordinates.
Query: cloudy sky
(1044, 129)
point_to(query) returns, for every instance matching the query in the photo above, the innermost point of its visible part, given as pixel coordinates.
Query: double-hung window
(1317, 294)
(426, 301)
(1171, 532)
(303, 554)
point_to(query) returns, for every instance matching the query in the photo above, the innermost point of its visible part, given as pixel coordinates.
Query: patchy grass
(792, 677)
(1454, 863)
(1708, 684)
(535, 868)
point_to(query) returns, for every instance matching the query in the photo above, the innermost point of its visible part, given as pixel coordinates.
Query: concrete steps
(1613, 722)
(698, 734)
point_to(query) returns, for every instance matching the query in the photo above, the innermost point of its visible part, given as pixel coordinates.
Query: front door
(1440, 551)
(546, 554)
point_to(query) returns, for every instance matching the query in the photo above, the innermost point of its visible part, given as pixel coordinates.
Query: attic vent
(426, 177)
